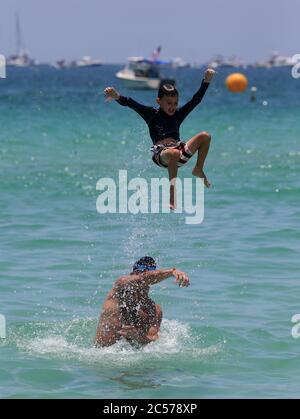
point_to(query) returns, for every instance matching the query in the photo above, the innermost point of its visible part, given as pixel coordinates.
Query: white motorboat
(139, 73)
(179, 63)
(276, 60)
(220, 62)
(86, 61)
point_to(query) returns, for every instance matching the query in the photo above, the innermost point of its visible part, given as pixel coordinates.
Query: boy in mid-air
(163, 123)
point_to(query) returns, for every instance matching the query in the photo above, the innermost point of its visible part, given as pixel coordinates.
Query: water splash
(73, 341)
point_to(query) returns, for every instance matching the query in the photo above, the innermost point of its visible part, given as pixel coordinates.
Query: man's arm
(198, 96)
(109, 324)
(149, 278)
(154, 277)
(133, 334)
(136, 334)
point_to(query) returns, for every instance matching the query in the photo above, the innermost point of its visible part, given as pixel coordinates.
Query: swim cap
(146, 263)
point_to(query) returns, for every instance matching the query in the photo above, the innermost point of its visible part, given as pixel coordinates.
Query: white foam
(175, 338)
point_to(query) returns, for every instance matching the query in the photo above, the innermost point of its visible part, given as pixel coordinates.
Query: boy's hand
(181, 278)
(209, 73)
(111, 93)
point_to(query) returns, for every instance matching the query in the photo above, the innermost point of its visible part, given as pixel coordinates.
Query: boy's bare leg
(172, 168)
(171, 157)
(200, 142)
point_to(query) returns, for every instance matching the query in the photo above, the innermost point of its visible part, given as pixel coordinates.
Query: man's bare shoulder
(111, 302)
(125, 280)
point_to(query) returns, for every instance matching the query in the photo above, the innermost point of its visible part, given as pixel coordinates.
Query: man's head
(167, 98)
(146, 263)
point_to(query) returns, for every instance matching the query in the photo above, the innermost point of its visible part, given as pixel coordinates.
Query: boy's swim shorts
(185, 153)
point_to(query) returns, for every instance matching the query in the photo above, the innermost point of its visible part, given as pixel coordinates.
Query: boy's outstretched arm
(144, 111)
(209, 74)
(198, 96)
(111, 93)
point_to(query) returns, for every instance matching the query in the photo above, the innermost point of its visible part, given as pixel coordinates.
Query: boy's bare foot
(199, 173)
(172, 207)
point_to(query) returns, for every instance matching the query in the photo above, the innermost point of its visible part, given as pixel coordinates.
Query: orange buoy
(236, 82)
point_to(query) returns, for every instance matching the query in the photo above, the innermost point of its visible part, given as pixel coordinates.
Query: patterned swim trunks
(185, 153)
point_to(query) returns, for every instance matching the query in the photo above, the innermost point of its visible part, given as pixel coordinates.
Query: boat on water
(275, 60)
(20, 60)
(178, 62)
(141, 73)
(85, 62)
(173, 63)
(232, 62)
(60, 64)
(22, 57)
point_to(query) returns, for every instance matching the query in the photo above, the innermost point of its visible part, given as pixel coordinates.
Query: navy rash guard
(160, 124)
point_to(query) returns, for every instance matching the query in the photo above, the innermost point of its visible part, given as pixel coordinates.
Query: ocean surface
(230, 333)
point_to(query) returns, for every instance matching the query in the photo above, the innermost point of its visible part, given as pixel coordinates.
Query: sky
(112, 30)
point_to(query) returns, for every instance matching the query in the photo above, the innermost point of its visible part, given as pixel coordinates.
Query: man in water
(128, 311)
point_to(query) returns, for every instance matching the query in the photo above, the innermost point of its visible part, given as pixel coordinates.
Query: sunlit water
(229, 333)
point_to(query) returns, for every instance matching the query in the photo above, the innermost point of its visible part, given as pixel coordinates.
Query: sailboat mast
(20, 46)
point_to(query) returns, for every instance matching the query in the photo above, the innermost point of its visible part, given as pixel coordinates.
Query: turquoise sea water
(229, 333)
